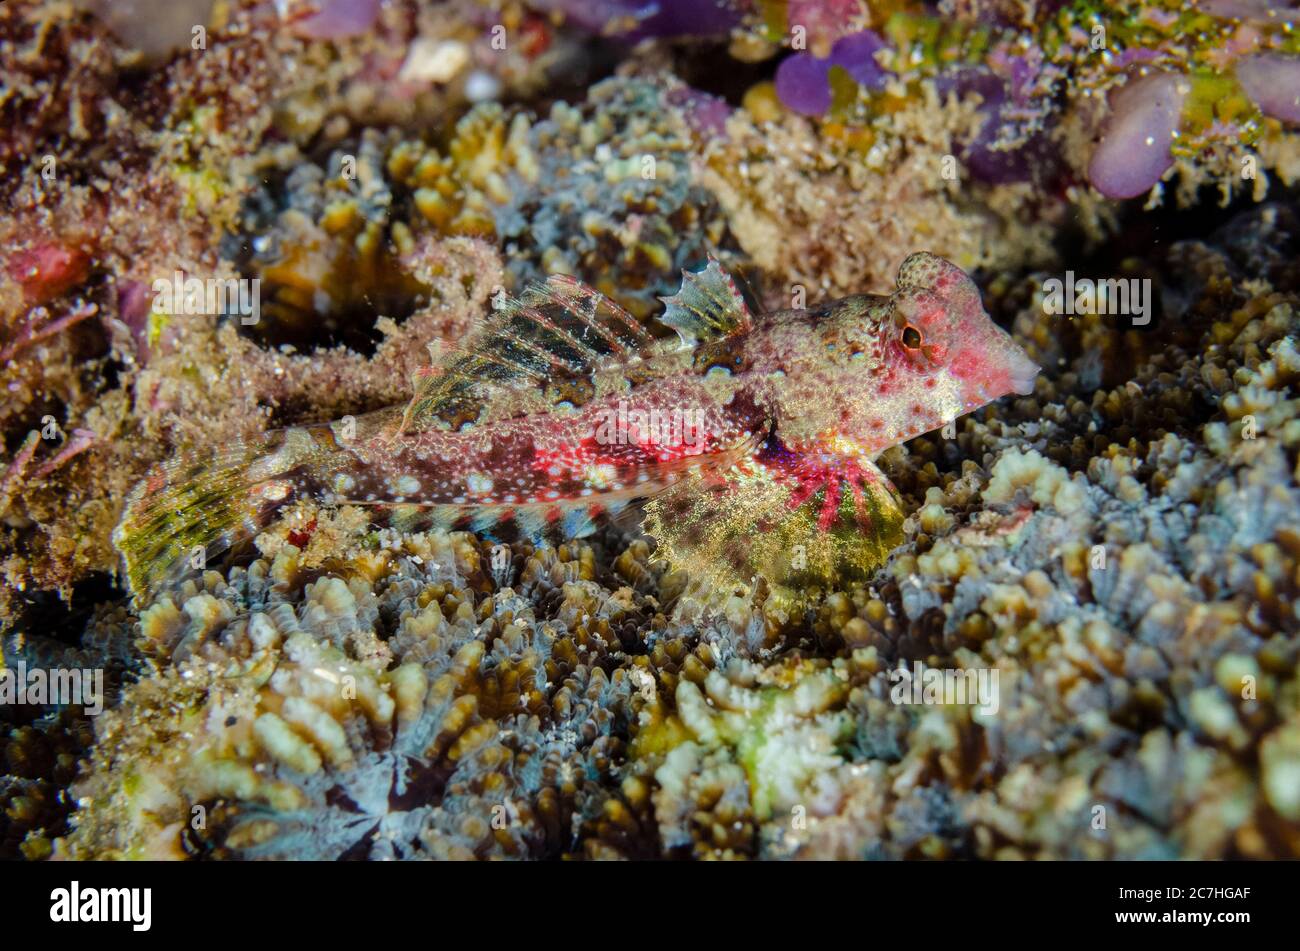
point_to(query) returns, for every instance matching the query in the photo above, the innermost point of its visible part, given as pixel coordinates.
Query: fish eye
(912, 339)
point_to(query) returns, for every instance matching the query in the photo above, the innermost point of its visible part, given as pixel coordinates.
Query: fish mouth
(1021, 374)
(1016, 375)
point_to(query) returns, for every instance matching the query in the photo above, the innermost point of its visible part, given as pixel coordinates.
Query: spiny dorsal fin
(707, 306)
(560, 329)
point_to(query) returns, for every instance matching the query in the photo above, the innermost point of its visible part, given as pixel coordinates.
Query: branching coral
(602, 190)
(395, 706)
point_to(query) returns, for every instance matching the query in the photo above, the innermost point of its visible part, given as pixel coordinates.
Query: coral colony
(696, 429)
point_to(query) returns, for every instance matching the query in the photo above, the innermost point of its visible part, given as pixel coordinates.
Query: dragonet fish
(751, 439)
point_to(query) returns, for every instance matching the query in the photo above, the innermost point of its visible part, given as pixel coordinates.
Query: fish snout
(1021, 371)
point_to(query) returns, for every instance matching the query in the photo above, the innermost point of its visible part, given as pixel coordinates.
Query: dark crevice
(47, 614)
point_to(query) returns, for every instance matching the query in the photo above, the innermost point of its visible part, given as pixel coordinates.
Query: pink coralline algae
(338, 19)
(706, 114)
(1147, 114)
(803, 83)
(1268, 11)
(1273, 82)
(822, 18)
(999, 98)
(803, 80)
(47, 270)
(1134, 149)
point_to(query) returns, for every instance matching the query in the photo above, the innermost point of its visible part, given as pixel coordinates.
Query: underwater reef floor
(1121, 547)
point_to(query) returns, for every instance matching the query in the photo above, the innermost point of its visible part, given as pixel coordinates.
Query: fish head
(912, 362)
(941, 329)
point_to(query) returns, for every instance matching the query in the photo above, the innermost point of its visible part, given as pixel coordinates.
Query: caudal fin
(194, 507)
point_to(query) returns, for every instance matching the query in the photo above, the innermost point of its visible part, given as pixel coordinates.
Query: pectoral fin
(765, 519)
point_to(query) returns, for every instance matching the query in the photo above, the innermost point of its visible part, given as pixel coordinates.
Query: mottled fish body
(753, 437)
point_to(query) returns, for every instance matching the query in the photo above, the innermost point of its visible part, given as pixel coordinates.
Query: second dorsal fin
(707, 306)
(559, 329)
(564, 330)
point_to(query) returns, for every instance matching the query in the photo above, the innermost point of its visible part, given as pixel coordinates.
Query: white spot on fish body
(599, 476)
(407, 485)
